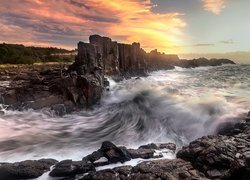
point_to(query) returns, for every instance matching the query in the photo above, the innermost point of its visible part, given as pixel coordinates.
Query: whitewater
(175, 106)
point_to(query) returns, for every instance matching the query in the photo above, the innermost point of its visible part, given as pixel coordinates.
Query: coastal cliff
(80, 85)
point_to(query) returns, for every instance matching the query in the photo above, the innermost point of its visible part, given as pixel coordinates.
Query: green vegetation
(19, 54)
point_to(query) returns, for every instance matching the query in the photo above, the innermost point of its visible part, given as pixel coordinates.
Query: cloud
(201, 45)
(230, 41)
(214, 6)
(64, 23)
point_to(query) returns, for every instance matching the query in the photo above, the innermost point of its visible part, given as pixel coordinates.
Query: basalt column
(131, 59)
(90, 78)
(108, 50)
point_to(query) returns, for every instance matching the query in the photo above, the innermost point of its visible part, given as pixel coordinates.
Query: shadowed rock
(69, 168)
(25, 169)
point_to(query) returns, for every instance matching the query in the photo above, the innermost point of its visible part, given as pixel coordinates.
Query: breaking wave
(168, 106)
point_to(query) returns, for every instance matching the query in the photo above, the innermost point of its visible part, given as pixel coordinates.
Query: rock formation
(81, 84)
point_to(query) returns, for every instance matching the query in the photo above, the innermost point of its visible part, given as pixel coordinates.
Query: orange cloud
(63, 23)
(214, 6)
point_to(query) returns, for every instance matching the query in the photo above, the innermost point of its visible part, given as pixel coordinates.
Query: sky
(186, 27)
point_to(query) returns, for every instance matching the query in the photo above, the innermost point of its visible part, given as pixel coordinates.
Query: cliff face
(82, 84)
(107, 53)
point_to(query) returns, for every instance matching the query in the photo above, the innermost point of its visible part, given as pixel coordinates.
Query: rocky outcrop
(25, 169)
(157, 169)
(203, 62)
(81, 84)
(108, 52)
(132, 59)
(221, 156)
(161, 61)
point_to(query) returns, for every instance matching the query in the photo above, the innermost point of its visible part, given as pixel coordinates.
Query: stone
(158, 169)
(25, 169)
(113, 153)
(107, 174)
(220, 156)
(59, 109)
(170, 146)
(141, 153)
(231, 128)
(2, 112)
(69, 168)
(149, 146)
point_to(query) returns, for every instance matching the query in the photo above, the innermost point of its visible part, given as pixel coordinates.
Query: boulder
(158, 169)
(141, 153)
(170, 146)
(109, 153)
(25, 169)
(69, 168)
(113, 153)
(231, 128)
(220, 156)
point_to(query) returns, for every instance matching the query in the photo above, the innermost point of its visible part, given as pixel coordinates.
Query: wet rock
(108, 154)
(123, 170)
(25, 169)
(231, 128)
(170, 146)
(59, 109)
(69, 168)
(168, 169)
(2, 112)
(96, 155)
(107, 174)
(149, 146)
(113, 153)
(141, 153)
(158, 169)
(220, 156)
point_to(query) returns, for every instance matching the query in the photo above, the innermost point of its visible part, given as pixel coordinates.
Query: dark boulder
(69, 168)
(25, 169)
(107, 174)
(141, 153)
(149, 146)
(108, 154)
(220, 156)
(59, 109)
(113, 153)
(170, 146)
(231, 128)
(158, 169)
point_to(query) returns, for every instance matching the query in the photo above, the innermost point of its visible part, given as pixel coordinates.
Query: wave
(158, 108)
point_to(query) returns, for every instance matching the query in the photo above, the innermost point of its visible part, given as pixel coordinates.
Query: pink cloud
(214, 6)
(64, 22)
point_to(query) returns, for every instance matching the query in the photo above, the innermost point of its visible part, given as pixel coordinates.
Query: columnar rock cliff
(82, 83)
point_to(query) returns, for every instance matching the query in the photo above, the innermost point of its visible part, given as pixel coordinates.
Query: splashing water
(168, 106)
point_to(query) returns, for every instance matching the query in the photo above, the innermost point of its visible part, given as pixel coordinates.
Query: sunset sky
(172, 26)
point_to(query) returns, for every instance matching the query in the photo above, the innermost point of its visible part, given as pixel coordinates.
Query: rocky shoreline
(225, 155)
(66, 88)
(70, 87)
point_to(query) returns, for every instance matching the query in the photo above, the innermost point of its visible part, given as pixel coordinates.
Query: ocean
(176, 106)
